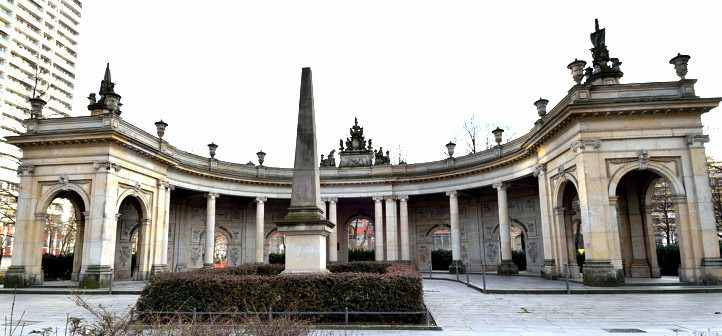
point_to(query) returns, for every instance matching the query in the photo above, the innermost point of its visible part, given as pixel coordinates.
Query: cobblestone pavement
(463, 311)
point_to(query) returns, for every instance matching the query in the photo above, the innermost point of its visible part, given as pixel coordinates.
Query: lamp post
(577, 68)
(212, 149)
(261, 157)
(450, 149)
(160, 126)
(680, 64)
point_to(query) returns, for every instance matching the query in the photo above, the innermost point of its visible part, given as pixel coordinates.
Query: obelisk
(304, 226)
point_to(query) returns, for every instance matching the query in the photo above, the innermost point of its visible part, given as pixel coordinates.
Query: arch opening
(572, 238)
(129, 240)
(647, 223)
(361, 238)
(441, 257)
(62, 236)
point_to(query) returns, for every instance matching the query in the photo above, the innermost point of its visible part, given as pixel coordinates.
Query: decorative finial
(212, 149)
(497, 135)
(577, 68)
(450, 149)
(680, 64)
(261, 157)
(541, 107)
(160, 126)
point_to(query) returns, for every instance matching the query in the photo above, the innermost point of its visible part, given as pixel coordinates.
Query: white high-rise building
(36, 36)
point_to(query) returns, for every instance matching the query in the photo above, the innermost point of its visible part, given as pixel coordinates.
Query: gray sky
(411, 71)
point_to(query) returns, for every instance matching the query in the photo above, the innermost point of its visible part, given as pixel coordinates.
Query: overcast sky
(411, 71)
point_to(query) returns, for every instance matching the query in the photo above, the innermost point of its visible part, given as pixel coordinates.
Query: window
(441, 239)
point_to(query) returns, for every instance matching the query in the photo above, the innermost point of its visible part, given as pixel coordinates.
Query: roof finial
(596, 24)
(107, 72)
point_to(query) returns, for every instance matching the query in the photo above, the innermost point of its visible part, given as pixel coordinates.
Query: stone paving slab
(461, 310)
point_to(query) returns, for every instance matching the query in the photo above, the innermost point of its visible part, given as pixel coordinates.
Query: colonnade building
(581, 178)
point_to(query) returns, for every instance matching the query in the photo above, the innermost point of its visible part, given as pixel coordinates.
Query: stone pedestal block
(18, 277)
(549, 271)
(507, 267)
(306, 248)
(602, 273)
(96, 276)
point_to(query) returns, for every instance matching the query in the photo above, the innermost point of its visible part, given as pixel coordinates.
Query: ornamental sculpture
(355, 151)
(604, 70)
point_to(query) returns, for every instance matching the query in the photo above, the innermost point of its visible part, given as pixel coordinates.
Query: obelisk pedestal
(304, 226)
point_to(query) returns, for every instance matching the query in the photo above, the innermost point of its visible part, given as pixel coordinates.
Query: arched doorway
(441, 257)
(62, 233)
(129, 240)
(276, 247)
(361, 238)
(647, 220)
(571, 236)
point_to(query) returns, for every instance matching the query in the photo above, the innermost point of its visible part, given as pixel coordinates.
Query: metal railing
(331, 317)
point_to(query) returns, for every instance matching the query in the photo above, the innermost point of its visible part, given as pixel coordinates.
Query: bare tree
(715, 181)
(663, 215)
(8, 206)
(471, 128)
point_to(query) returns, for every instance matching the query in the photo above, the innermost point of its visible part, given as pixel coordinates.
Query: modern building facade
(580, 179)
(38, 57)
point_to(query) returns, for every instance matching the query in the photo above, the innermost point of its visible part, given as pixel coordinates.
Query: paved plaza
(460, 310)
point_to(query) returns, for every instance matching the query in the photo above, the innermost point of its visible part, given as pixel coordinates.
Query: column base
(640, 269)
(158, 268)
(18, 277)
(711, 271)
(507, 267)
(457, 267)
(601, 273)
(96, 276)
(549, 271)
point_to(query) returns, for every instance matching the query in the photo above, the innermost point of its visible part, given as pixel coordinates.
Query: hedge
(361, 255)
(668, 259)
(241, 289)
(57, 267)
(440, 260)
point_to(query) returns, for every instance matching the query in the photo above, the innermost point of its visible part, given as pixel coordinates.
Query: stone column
(210, 229)
(454, 224)
(260, 230)
(507, 266)
(333, 235)
(550, 270)
(101, 228)
(639, 266)
(160, 251)
(392, 246)
(378, 229)
(404, 227)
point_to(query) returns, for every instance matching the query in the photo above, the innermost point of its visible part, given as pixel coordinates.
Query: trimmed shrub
(247, 269)
(519, 258)
(440, 260)
(361, 255)
(57, 267)
(359, 267)
(398, 289)
(277, 258)
(668, 259)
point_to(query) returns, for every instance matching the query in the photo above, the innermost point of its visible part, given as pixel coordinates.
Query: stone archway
(645, 206)
(130, 238)
(69, 232)
(570, 240)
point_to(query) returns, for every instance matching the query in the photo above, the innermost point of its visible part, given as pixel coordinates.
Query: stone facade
(564, 187)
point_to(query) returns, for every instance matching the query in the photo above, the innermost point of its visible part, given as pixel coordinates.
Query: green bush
(668, 259)
(398, 289)
(519, 258)
(359, 267)
(277, 258)
(440, 260)
(57, 267)
(247, 269)
(361, 255)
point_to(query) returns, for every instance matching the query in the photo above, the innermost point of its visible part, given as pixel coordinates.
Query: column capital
(330, 199)
(261, 199)
(452, 193)
(500, 185)
(540, 170)
(697, 140)
(165, 185)
(378, 198)
(212, 195)
(403, 198)
(390, 198)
